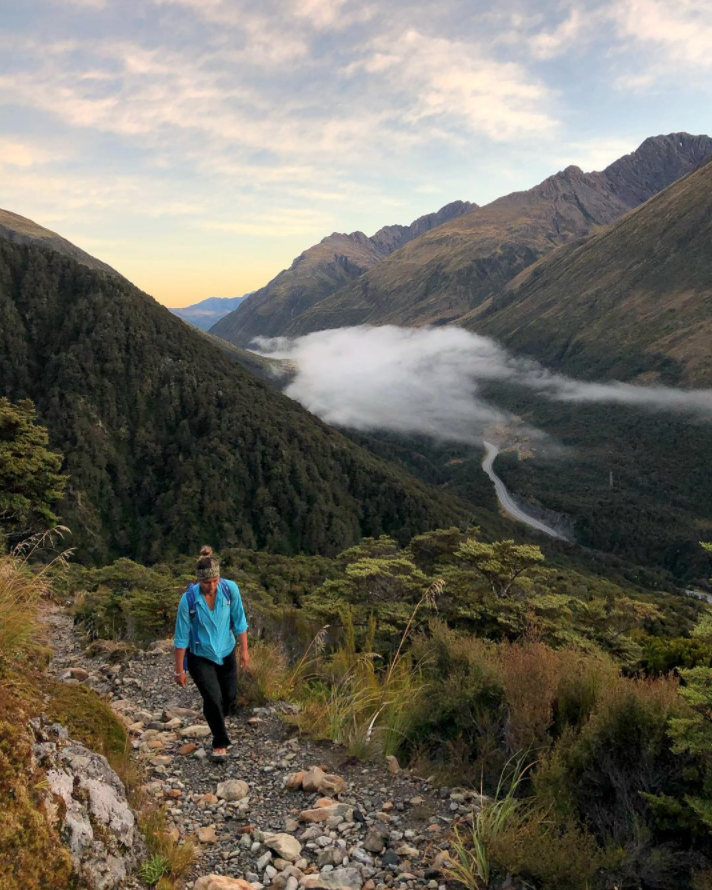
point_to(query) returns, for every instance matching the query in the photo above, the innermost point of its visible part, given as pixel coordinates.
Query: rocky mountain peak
(656, 163)
(321, 270)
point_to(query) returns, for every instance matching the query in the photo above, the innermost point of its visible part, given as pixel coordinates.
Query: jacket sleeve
(237, 612)
(181, 638)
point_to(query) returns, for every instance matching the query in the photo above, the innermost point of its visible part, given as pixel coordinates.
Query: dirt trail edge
(382, 827)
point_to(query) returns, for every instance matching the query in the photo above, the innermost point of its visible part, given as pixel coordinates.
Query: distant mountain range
(443, 275)
(207, 312)
(321, 270)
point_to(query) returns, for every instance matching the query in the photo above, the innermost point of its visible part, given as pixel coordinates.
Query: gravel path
(383, 829)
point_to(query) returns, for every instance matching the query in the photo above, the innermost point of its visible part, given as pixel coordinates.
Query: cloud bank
(427, 381)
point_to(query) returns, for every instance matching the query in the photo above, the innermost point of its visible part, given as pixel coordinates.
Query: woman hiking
(210, 617)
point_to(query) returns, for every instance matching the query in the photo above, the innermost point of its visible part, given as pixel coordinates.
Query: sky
(198, 146)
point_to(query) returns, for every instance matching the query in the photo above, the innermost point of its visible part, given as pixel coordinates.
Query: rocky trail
(284, 812)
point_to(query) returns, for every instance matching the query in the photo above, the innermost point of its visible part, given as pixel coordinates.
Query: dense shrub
(660, 655)
(602, 772)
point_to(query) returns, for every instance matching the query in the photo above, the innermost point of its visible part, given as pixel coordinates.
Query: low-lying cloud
(427, 381)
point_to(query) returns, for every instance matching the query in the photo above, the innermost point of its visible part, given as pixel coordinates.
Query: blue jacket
(213, 636)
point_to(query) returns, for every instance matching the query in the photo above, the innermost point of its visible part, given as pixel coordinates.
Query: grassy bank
(31, 853)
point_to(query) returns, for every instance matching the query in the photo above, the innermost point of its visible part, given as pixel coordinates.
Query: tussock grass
(174, 857)
(472, 865)
(356, 700)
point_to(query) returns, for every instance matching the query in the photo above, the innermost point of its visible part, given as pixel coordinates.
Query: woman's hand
(245, 660)
(181, 679)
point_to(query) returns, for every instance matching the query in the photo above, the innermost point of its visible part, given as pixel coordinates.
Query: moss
(87, 718)
(31, 855)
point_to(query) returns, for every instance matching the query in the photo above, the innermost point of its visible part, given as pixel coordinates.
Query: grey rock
(330, 856)
(390, 857)
(343, 877)
(103, 840)
(374, 841)
(233, 790)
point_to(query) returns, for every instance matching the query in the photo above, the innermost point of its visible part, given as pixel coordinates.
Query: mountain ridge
(205, 313)
(631, 301)
(446, 273)
(320, 270)
(21, 230)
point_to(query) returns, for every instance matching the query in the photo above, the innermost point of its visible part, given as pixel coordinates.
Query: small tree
(30, 482)
(501, 563)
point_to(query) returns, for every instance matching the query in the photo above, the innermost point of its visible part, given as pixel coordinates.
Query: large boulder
(313, 779)
(221, 882)
(233, 789)
(284, 845)
(89, 803)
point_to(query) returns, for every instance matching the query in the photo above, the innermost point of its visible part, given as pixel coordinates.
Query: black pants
(217, 683)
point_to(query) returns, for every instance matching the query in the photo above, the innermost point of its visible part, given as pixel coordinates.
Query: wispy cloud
(681, 30)
(546, 44)
(241, 110)
(427, 381)
(19, 154)
(284, 222)
(456, 84)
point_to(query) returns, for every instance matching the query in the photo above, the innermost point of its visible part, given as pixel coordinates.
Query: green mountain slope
(632, 300)
(446, 273)
(318, 272)
(276, 372)
(20, 230)
(169, 441)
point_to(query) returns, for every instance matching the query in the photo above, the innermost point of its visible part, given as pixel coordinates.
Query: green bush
(661, 655)
(601, 772)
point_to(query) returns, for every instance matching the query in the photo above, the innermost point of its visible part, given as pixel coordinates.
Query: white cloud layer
(425, 380)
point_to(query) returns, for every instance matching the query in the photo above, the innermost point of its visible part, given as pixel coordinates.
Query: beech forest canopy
(168, 441)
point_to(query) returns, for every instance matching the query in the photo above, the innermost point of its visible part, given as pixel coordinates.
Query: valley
(468, 507)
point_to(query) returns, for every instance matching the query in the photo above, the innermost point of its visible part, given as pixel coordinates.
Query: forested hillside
(168, 440)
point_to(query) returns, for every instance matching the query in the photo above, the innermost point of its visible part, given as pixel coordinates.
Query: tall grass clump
(515, 835)
(362, 701)
(169, 859)
(472, 866)
(22, 588)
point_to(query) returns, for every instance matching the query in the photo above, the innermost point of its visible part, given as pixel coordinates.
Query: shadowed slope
(632, 300)
(446, 273)
(168, 441)
(318, 272)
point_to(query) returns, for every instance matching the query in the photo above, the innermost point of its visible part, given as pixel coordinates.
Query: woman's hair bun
(207, 550)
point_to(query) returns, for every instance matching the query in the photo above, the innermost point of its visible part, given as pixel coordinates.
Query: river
(507, 502)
